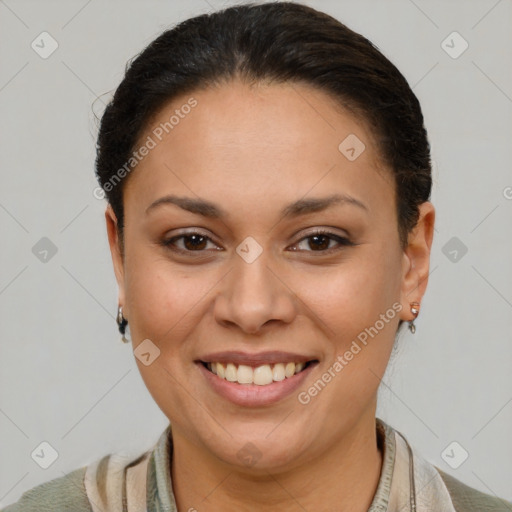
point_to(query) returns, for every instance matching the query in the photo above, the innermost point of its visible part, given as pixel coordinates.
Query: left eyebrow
(295, 209)
(305, 206)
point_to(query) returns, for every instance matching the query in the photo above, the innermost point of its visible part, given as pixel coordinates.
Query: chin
(256, 453)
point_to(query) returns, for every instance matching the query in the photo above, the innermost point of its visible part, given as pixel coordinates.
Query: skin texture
(252, 150)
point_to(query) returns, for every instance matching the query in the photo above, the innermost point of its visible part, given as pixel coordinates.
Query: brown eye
(321, 241)
(189, 242)
(194, 242)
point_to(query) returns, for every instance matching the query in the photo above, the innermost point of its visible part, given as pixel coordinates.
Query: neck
(344, 478)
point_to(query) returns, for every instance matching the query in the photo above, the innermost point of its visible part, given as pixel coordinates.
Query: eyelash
(342, 241)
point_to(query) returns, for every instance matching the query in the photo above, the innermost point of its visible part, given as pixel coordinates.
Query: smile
(262, 375)
(260, 385)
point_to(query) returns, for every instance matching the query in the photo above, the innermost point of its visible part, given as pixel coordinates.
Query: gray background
(67, 379)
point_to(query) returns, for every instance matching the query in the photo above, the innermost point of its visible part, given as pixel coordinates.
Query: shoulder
(436, 489)
(468, 499)
(59, 495)
(108, 482)
(113, 482)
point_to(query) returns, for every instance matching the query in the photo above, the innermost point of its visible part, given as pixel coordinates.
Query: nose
(254, 295)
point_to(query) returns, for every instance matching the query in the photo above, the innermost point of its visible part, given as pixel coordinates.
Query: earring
(415, 309)
(122, 323)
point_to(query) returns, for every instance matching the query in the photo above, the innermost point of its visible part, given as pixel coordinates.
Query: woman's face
(243, 279)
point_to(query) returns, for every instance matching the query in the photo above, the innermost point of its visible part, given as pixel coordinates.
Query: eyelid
(324, 230)
(189, 231)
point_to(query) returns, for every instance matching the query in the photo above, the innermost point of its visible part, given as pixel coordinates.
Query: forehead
(247, 144)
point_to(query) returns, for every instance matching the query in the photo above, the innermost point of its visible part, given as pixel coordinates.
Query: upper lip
(256, 359)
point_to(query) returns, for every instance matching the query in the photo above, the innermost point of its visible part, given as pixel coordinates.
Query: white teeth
(278, 373)
(261, 375)
(289, 369)
(231, 372)
(244, 374)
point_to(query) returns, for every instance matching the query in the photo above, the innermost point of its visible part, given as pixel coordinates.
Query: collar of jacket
(407, 482)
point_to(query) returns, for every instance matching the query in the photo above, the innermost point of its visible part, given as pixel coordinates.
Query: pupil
(322, 246)
(197, 240)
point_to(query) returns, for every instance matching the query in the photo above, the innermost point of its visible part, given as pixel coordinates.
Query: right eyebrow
(197, 206)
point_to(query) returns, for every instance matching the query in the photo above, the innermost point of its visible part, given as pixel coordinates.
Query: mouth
(261, 375)
(256, 379)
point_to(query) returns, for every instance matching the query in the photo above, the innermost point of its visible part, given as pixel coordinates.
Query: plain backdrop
(67, 380)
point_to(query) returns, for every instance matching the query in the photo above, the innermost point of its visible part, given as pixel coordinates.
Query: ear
(115, 251)
(416, 260)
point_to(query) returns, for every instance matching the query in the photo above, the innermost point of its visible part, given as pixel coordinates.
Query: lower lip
(253, 395)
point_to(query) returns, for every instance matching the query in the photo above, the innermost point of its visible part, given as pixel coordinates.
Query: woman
(268, 180)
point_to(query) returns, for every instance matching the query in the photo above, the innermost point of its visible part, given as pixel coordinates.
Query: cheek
(158, 294)
(359, 304)
(351, 296)
(355, 306)
(164, 304)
